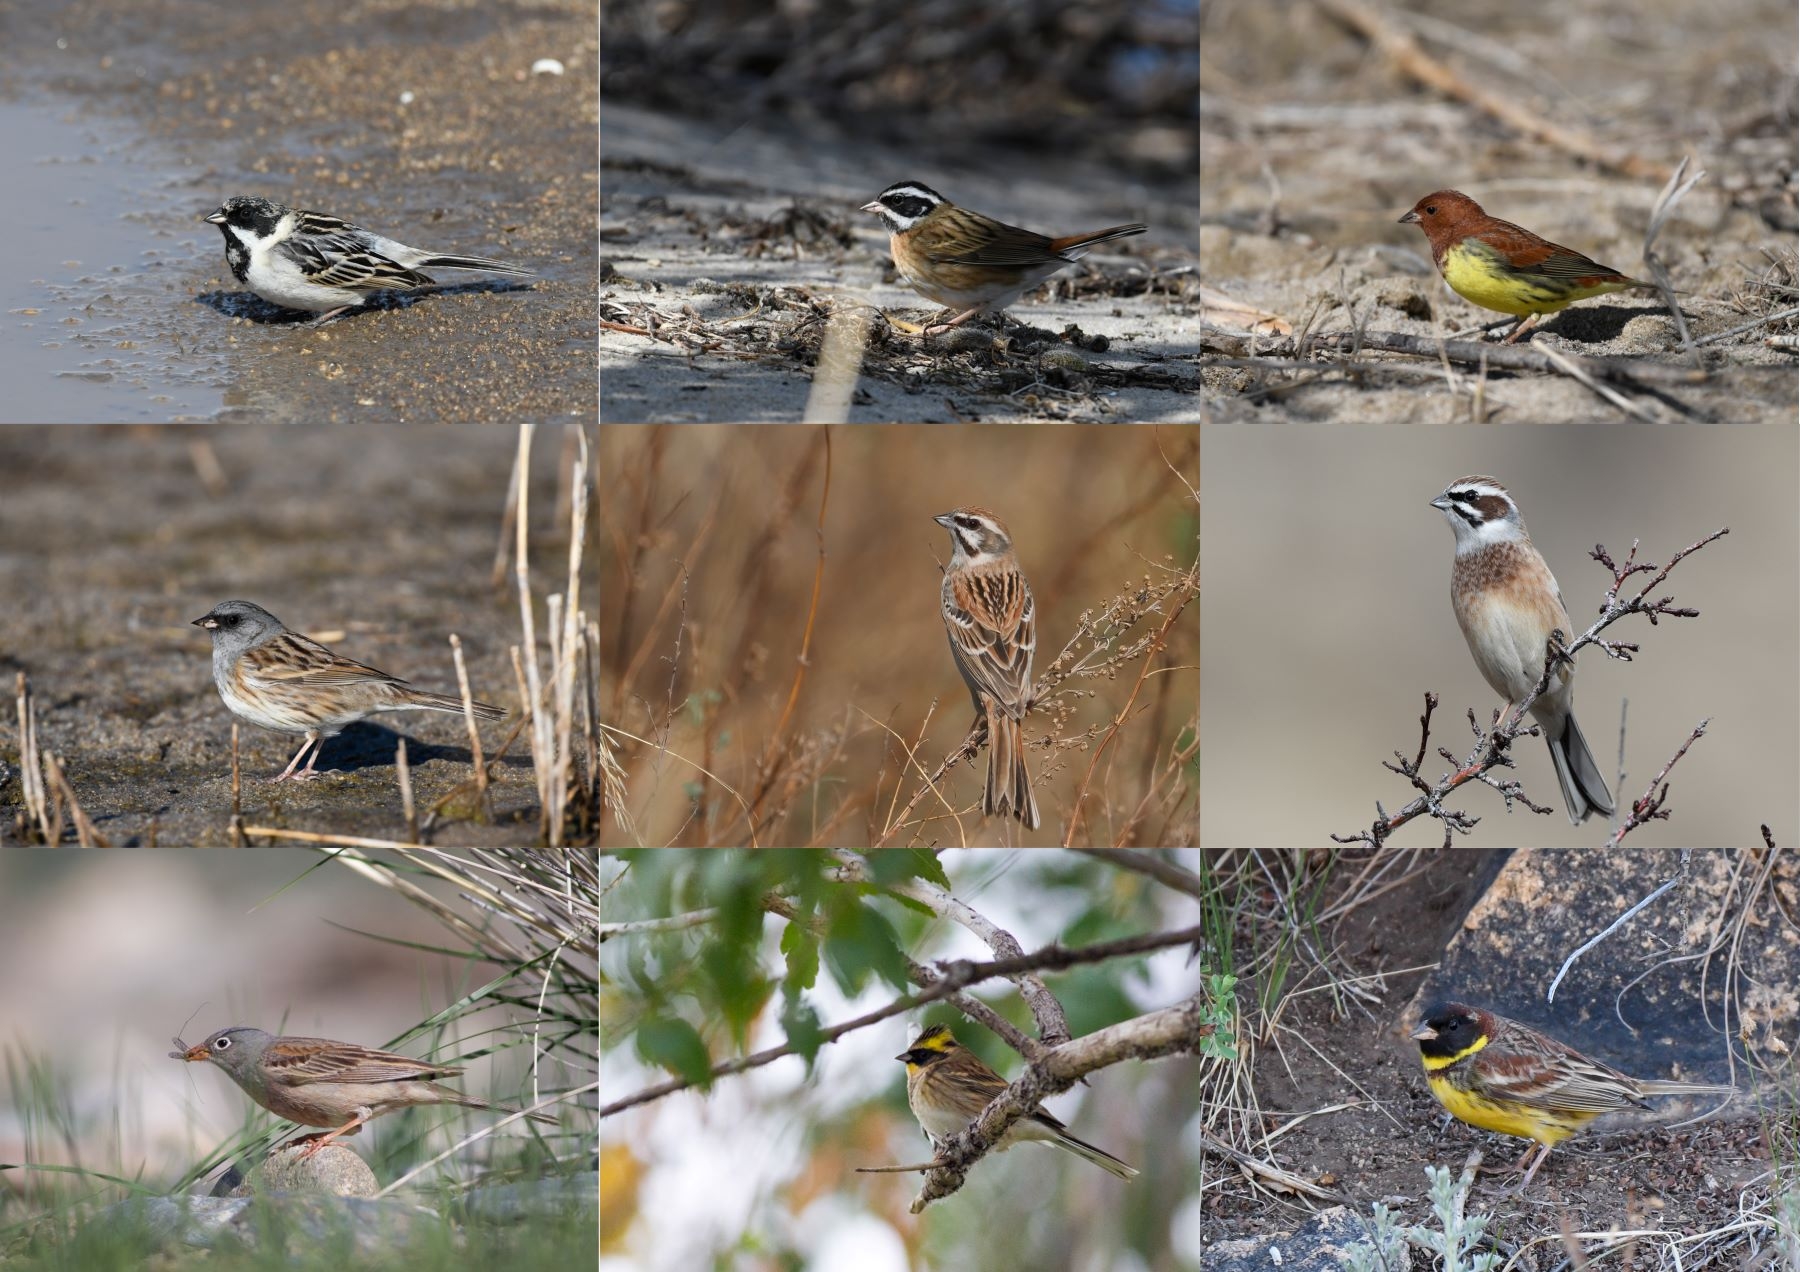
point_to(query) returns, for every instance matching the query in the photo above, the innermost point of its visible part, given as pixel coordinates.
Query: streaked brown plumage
(991, 619)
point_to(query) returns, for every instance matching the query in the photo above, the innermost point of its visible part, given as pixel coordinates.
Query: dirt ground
(1316, 138)
(420, 120)
(379, 544)
(1681, 1179)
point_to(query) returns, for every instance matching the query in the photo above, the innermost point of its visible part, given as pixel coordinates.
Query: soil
(1684, 1178)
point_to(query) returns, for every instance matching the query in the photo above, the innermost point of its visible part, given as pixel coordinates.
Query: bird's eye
(1431, 209)
(223, 1044)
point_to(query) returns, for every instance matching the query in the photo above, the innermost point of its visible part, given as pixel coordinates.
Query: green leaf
(894, 865)
(673, 1044)
(860, 942)
(804, 1034)
(802, 953)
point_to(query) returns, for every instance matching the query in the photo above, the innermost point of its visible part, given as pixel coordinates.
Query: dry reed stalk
(31, 773)
(85, 833)
(407, 808)
(468, 701)
(237, 793)
(550, 695)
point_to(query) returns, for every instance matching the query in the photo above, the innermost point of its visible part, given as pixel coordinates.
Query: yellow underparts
(1543, 1125)
(1477, 274)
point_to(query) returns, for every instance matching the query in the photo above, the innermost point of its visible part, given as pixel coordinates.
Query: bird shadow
(253, 308)
(365, 745)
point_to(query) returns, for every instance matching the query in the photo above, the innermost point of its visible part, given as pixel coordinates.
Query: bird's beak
(1441, 504)
(193, 1053)
(871, 207)
(217, 218)
(902, 1055)
(1411, 218)
(1424, 1033)
(209, 623)
(943, 521)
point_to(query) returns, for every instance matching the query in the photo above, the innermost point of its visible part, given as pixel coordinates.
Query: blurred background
(708, 558)
(1327, 617)
(1026, 88)
(113, 954)
(759, 1171)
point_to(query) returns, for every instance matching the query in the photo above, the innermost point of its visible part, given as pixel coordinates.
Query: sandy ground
(380, 545)
(751, 236)
(421, 120)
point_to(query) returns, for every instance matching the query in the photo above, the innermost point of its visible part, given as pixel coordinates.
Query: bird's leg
(957, 321)
(307, 774)
(348, 1128)
(1542, 1151)
(311, 737)
(1519, 328)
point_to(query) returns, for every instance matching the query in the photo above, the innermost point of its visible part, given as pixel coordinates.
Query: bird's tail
(475, 262)
(1099, 1156)
(443, 702)
(1661, 1087)
(1584, 790)
(1008, 790)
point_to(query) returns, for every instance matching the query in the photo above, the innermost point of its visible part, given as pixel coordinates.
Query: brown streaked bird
(991, 620)
(1507, 604)
(965, 261)
(280, 680)
(1503, 1076)
(1505, 267)
(319, 1082)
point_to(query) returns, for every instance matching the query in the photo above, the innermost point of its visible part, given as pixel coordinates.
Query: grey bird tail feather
(453, 1096)
(443, 702)
(1584, 790)
(1099, 1156)
(475, 262)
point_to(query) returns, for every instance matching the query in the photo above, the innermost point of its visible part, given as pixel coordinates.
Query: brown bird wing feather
(992, 628)
(298, 1061)
(1527, 1067)
(956, 242)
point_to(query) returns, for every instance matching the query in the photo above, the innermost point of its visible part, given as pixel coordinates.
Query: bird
(320, 1082)
(1505, 267)
(1500, 1075)
(319, 263)
(947, 1087)
(1507, 603)
(991, 619)
(963, 260)
(280, 680)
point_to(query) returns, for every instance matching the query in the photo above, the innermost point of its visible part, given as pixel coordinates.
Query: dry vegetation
(776, 672)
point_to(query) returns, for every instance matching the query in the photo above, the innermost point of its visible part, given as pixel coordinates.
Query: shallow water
(102, 253)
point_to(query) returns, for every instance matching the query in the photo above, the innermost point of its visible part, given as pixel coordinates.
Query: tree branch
(955, 975)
